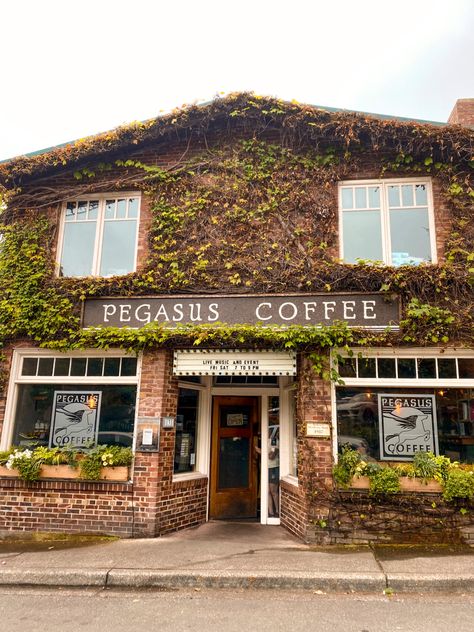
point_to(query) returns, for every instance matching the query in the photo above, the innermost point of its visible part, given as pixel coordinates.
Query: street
(54, 610)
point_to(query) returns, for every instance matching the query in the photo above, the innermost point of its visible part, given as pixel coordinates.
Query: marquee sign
(204, 362)
(373, 311)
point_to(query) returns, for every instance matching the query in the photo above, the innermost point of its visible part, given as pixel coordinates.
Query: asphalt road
(57, 610)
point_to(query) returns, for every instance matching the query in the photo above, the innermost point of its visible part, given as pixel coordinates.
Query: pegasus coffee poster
(407, 426)
(75, 419)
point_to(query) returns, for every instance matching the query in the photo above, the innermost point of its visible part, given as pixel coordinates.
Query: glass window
(99, 237)
(273, 446)
(396, 231)
(358, 419)
(186, 430)
(34, 412)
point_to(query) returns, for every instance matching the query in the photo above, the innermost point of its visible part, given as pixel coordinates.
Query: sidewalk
(236, 555)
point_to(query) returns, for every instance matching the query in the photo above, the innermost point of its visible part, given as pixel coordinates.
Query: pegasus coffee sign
(374, 311)
(407, 426)
(75, 419)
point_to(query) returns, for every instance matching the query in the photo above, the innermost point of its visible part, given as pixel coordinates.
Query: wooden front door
(233, 491)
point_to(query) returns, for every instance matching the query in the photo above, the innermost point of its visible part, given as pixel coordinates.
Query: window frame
(16, 379)
(385, 213)
(100, 223)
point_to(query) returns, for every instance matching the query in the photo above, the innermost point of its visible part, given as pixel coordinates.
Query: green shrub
(384, 482)
(459, 484)
(346, 467)
(104, 456)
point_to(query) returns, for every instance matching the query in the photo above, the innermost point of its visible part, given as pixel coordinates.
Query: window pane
(118, 248)
(93, 209)
(29, 366)
(110, 209)
(112, 366)
(347, 367)
(70, 211)
(121, 209)
(45, 366)
(78, 249)
(273, 446)
(466, 368)
(61, 366)
(393, 195)
(410, 235)
(406, 368)
(447, 368)
(427, 368)
(366, 367)
(407, 195)
(78, 366)
(360, 197)
(94, 366)
(386, 367)
(362, 236)
(421, 196)
(357, 421)
(129, 366)
(35, 403)
(346, 196)
(82, 210)
(374, 197)
(133, 208)
(186, 425)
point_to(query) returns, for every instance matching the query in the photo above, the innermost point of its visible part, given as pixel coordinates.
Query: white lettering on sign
(319, 310)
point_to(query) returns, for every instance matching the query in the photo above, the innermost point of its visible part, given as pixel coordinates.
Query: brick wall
(294, 510)
(463, 113)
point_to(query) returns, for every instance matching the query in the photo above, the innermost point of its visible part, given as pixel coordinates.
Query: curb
(340, 582)
(368, 582)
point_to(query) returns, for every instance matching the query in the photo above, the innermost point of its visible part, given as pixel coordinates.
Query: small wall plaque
(167, 422)
(321, 430)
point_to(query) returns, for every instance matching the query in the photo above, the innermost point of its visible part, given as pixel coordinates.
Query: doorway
(234, 457)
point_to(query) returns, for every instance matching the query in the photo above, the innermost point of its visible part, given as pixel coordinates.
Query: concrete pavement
(235, 555)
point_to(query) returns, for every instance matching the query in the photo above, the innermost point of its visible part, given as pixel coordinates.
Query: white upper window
(387, 220)
(99, 235)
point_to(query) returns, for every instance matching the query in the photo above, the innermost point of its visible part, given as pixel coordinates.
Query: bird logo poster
(407, 426)
(75, 419)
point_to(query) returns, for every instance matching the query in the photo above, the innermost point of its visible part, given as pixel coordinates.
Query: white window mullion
(98, 238)
(384, 210)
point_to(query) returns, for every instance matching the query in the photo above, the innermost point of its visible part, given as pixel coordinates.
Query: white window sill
(188, 476)
(291, 480)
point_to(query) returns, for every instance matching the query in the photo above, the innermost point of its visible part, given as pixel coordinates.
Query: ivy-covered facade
(237, 291)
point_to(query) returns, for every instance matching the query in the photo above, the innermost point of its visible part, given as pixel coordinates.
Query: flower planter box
(415, 485)
(418, 485)
(120, 473)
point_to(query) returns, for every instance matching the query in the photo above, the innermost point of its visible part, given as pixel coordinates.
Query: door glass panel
(273, 457)
(233, 462)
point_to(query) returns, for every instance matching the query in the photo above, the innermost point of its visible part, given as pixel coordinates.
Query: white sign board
(75, 419)
(203, 362)
(407, 426)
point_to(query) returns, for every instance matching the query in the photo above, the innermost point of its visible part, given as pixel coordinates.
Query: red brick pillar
(153, 472)
(315, 459)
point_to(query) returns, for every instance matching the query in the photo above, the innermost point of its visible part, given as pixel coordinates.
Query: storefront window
(74, 415)
(273, 457)
(186, 428)
(358, 419)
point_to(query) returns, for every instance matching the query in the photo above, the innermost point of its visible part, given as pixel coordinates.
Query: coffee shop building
(235, 291)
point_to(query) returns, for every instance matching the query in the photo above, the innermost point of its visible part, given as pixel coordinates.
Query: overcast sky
(75, 68)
